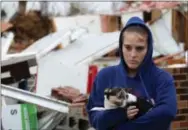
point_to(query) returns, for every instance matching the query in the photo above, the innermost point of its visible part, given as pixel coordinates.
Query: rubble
(29, 28)
(5, 26)
(68, 94)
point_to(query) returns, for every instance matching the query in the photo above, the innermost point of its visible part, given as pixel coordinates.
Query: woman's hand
(132, 111)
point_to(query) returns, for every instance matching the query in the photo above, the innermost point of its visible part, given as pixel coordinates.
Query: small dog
(120, 97)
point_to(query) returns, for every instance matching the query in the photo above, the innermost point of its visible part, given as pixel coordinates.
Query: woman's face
(134, 49)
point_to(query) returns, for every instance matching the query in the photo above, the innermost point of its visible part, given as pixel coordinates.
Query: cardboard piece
(20, 117)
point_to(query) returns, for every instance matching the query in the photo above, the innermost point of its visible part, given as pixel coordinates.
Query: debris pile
(29, 28)
(68, 94)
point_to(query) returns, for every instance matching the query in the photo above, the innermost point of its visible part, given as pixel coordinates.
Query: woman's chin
(133, 66)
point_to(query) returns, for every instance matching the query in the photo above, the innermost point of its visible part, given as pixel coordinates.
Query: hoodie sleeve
(103, 120)
(161, 116)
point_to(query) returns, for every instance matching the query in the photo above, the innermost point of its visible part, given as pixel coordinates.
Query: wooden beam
(186, 30)
(109, 23)
(159, 60)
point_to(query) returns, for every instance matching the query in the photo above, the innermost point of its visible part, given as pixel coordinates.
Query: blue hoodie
(151, 83)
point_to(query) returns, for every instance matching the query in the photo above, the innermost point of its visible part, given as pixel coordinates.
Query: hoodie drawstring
(146, 92)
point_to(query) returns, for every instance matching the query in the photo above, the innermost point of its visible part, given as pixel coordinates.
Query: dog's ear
(106, 91)
(128, 90)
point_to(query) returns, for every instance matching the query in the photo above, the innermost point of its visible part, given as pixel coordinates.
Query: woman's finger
(129, 112)
(132, 115)
(131, 107)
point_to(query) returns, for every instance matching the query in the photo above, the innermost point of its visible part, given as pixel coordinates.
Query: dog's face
(117, 96)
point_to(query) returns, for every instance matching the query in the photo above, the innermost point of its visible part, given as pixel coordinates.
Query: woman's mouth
(133, 62)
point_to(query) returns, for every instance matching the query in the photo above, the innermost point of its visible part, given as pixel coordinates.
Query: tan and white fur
(120, 99)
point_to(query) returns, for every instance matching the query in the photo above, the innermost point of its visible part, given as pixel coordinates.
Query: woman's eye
(128, 48)
(139, 49)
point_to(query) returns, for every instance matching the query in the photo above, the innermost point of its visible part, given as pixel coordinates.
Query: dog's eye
(127, 96)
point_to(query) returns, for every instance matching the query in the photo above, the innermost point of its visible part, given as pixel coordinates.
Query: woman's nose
(133, 53)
